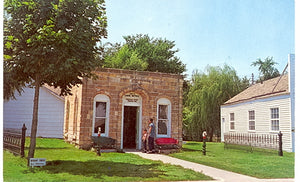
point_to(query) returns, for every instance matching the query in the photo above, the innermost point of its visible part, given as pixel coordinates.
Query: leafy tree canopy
(50, 42)
(266, 68)
(54, 40)
(125, 59)
(208, 91)
(140, 52)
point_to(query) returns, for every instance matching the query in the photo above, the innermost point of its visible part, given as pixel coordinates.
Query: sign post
(204, 135)
(98, 147)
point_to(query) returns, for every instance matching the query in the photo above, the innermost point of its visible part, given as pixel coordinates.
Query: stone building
(121, 102)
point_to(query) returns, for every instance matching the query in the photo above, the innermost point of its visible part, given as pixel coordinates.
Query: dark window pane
(274, 113)
(251, 115)
(99, 122)
(100, 109)
(251, 125)
(163, 112)
(275, 125)
(231, 116)
(162, 127)
(232, 125)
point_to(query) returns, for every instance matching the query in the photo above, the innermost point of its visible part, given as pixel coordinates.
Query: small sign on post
(37, 162)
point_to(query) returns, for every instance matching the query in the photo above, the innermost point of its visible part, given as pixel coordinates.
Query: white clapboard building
(51, 112)
(264, 108)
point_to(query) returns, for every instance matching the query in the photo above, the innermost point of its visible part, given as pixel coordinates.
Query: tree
(266, 68)
(11, 84)
(157, 53)
(125, 59)
(207, 92)
(51, 42)
(11, 81)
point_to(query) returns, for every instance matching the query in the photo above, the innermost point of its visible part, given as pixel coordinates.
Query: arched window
(101, 115)
(163, 118)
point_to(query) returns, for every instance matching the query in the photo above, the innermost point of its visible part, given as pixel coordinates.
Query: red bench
(166, 141)
(166, 145)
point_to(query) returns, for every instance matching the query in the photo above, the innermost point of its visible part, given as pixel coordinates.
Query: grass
(260, 163)
(66, 163)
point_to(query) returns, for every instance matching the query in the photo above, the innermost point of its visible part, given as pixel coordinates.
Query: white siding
(262, 117)
(51, 113)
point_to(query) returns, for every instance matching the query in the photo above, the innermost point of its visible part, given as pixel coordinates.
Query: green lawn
(66, 163)
(260, 163)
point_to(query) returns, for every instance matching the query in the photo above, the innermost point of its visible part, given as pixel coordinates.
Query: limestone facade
(121, 102)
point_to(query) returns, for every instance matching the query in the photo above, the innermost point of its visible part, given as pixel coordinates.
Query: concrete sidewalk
(217, 174)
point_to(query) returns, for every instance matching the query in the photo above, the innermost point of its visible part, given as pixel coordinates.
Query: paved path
(217, 174)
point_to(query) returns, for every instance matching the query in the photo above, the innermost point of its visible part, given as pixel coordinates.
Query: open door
(130, 127)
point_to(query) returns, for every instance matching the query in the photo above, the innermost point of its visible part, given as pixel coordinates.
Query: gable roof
(54, 91)
(269, 88)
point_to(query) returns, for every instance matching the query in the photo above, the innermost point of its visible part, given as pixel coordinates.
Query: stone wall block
(115, 83)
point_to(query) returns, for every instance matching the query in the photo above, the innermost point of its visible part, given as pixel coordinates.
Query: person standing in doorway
(151, 136)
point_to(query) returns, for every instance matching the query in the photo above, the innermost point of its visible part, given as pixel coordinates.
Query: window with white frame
(275, 119)
(251, 120)
(101, 114)
(163, 117)
(231, 119)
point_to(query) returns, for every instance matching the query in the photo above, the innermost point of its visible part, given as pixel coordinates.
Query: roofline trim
(53, 93)
(258, 96)
(263, 99)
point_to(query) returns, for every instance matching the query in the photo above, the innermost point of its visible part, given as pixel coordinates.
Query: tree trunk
(211, 134)
(34, 123)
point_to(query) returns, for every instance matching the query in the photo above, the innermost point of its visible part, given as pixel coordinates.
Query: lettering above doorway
(132, 97)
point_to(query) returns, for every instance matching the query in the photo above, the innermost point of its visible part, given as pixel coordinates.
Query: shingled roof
(269, 88)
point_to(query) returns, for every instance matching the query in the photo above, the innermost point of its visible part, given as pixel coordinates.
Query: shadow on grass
(51, 148)
(48, 148)
(99, 169)
(190, 150)
(196, 147)
(192, 143)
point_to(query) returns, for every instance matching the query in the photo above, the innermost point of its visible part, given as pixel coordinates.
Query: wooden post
(98, 148)
(204, 135)
(280, 153)
(23, 139)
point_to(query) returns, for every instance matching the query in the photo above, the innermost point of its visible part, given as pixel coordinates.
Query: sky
(211, 32)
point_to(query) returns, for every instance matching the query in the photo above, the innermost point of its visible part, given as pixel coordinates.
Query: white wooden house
(51, 112)
(264, 108)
